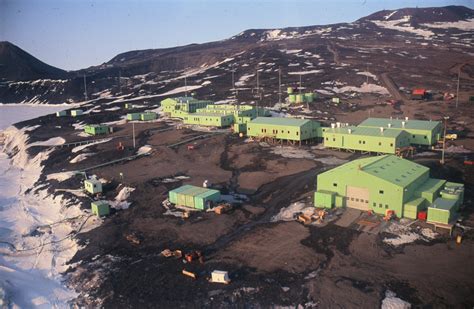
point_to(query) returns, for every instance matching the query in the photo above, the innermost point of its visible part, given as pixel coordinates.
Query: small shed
(133, 116)
(336, 100)
(61, 113)
(96, 129)
(76, 112)
(128, 105)
(100, 208)
(220, 276)
(148, 116)
(194, 197)
(442, 211)
(93, 186)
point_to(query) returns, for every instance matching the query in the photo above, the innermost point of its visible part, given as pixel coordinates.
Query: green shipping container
(133, 116)
(442, 211)
(148, 116)
(100, 208)
(61, 113)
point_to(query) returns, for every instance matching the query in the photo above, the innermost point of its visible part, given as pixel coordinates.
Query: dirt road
(392, 88)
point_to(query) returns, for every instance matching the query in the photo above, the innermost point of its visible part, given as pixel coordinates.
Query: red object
(190, 147)
(422, 215)
(468, 162)
(419, 91)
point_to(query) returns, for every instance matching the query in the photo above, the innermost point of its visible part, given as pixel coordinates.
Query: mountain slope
(16, 64)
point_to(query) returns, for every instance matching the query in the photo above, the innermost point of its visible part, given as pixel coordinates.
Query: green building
(378, 140)
(61, 113)
(96, 129)
(421, 132)
(178, 107)
(100, 208)
(290, 129)
(93, 186)
(129, 106)
(76, 112)
(194, 197)
(133, 116)
(384, 183)
(147, 116)
(211, 120)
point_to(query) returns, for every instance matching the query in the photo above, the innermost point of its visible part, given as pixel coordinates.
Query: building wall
(293, 133)
(208, 120)
(363, 142)
(383, 195)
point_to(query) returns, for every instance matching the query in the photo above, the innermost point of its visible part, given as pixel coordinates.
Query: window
(380, 144)
(366, 201)
(297, 133)
(375, 205)
(352, 199)
(360, 142)
(327, 138)
(391, 144)
(386, 206)
(380, 205)
(381, 191)
(357, 199)
(413, 136)
(425, 137)
(363, 142)
(334, 184)
(333, 139)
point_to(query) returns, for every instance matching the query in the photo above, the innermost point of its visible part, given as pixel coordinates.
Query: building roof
(194, 190)
(365, 131)
(431, 185)
(443, 204)
(398, 171)
(419, 91)
(209, 114)
(398, 123)
(280, 121)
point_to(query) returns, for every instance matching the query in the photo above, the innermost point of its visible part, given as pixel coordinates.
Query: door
(357, 198)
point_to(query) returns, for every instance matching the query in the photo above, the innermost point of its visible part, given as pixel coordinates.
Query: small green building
(279, 128)
(194, 197)
(177, 107)
(93, 186)
(61, 113)
(384, 183)
(147, 116)
(336, 100)
(377, 140)
(100, 208)
(421, 132)
(76, 112)
(96, 129)
(129, 106)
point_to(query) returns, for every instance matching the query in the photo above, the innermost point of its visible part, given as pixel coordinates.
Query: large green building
(278, 128)
(210, 120)
(388, 182)
(179, 106)
(378, 140)
(194, 197)
(421, 132)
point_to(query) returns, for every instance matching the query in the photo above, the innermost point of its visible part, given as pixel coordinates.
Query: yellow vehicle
(451, 137)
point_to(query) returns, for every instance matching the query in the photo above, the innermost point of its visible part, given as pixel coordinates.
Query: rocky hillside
(389, 51)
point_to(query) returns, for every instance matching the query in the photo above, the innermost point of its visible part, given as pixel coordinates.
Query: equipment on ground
(389, 215)
(168, 253)
(220, 276)
(189, 274)
(120, 146)
(194, 255)
(191, 147)
(222, 208)
(451, 137)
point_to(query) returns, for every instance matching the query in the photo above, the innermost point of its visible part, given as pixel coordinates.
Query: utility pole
(185, 86)
(457, 90)
(85, 87)
(258, 91)
(120, 81)
(279, 85)
(133, 130)
(444, 139)
(233, 84)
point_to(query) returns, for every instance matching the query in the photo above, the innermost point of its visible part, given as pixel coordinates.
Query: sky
(75, 34)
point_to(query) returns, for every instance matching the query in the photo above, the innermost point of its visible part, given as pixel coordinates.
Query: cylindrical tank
(290, 90)
(309, 97)
(299, 98)
(292, 98)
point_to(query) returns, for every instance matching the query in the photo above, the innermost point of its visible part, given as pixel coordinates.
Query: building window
(334, 184)
(380, 205)
(363, 142)
(425, 137)
(380, 144)
(327, 138)
(386, 206)
(375, 205)
(381, 191)
(297, 133)
(413, 136)
(391, 144)
(333, 139)
(360, 142)
(357, 199)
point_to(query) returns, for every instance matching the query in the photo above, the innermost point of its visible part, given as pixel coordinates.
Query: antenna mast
(85, 87)
(279, 85)
(457, 89)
